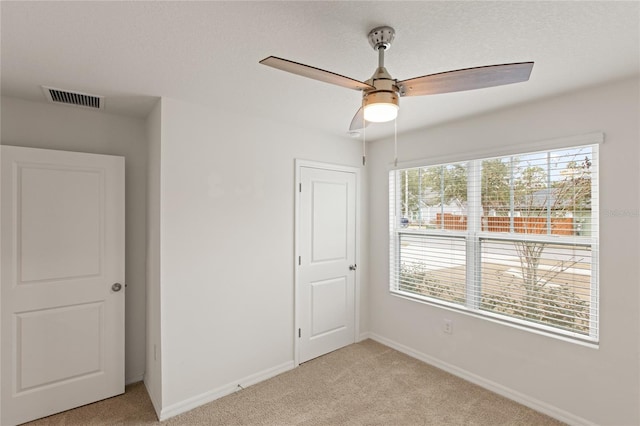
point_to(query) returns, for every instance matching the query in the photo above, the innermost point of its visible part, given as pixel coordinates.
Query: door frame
(299, 164)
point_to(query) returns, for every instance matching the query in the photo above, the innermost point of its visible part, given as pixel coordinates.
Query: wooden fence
(523, 225)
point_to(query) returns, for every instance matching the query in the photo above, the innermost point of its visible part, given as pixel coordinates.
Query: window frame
(474, 236)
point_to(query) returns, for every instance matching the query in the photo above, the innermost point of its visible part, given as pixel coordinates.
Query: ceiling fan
(381, 92)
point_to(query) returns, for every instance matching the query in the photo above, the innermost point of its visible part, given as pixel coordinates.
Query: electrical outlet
(447, 326)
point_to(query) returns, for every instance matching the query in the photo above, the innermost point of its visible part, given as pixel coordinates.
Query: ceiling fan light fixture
(381, 92)
(380, 107)
(380, 113)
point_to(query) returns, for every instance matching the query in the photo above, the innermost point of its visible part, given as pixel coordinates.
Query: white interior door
(327, 260)
(62, 318)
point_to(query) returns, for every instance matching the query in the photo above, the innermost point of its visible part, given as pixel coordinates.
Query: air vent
(67, 97)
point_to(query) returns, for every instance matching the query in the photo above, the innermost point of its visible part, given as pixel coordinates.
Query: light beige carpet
(363, 384)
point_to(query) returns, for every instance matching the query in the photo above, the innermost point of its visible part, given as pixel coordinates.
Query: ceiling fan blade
(315, 73)
(466, 79)
(358, 122)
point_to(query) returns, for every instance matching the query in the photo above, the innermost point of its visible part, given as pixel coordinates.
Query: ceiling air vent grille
(68, 97)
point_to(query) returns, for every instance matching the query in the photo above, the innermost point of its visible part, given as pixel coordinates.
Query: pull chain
(395, 142)
(364, 140)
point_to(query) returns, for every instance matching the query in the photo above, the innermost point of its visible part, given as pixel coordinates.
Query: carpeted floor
(362, 384)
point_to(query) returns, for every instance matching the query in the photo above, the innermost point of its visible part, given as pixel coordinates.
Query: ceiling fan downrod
(380, 38)
(380, 93)
(380, 103)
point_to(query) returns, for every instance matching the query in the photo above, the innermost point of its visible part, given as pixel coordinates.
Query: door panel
(326, 245)
(41, 363)
(62, 325)
(330, 221)
(329, 311)
(65, 242)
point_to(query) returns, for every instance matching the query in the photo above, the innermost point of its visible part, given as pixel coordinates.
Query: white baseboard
(134, 379)
(154, 401)
(204, 398)
(543, 407)
(364, 336)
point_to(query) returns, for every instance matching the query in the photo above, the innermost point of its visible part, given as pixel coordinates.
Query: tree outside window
(528, 197)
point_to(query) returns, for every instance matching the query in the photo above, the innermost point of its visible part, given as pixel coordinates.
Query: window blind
(513, 238)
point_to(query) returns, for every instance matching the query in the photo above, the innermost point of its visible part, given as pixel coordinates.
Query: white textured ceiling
(208, 53)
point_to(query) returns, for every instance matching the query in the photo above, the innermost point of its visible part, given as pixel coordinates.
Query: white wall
(40, 125)
(153, 371)
(573, 382)
(227, 232)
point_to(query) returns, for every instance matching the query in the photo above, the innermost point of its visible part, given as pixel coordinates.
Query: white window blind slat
(513, 237)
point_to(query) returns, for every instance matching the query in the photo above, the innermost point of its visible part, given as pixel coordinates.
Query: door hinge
(300, 190)
(299, 260)
(299, 332)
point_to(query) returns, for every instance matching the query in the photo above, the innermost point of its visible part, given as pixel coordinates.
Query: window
(512, 238)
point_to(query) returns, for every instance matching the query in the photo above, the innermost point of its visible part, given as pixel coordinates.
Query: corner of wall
(153, 373)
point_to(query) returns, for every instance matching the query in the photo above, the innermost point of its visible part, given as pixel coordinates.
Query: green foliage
(411, 192)
(495, 185)
(415, 279)
(507, 185)
(431, 186)
(573, 193)
(555, 305)
(527, 184)
(450, 181)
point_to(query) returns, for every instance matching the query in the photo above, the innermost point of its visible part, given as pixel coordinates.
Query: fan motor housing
(386, 90)
(380, 97)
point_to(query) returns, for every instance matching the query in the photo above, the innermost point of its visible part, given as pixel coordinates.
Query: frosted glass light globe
(380, 112)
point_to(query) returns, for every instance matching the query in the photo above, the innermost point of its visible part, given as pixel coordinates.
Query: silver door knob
(116, 287)
(353, 267)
